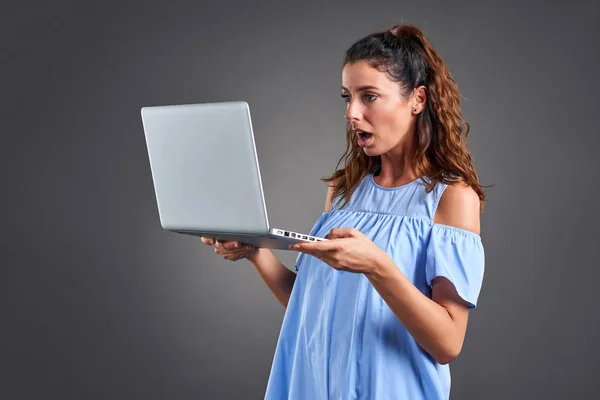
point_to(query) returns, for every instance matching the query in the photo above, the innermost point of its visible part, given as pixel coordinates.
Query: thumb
(208, 241)
(338, 233)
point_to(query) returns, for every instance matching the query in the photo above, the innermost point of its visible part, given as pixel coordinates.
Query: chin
(371, 152)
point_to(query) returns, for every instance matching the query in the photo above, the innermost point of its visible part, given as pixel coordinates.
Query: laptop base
(278, 239)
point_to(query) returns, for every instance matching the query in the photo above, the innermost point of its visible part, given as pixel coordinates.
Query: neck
(396, 165)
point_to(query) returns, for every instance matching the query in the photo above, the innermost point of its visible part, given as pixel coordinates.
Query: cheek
(391, 123)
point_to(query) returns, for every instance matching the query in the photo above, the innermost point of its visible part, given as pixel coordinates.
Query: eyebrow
(363, 88)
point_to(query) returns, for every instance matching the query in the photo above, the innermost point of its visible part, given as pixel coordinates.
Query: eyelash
(346, 97)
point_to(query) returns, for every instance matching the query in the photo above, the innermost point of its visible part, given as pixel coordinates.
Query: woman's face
(376, 108)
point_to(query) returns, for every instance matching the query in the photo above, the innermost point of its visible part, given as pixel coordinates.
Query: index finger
(311, 246)
(231, 245)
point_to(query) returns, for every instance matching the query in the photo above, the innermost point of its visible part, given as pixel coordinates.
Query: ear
(419, 99)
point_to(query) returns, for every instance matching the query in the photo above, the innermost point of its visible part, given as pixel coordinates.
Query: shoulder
(329, 198)
(459, 207)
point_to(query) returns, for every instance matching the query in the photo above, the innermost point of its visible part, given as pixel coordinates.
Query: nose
(353, 112)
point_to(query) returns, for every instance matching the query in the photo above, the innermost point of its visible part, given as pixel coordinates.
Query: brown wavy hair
(406, 56)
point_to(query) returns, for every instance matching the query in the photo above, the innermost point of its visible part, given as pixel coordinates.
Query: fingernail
(236, 245)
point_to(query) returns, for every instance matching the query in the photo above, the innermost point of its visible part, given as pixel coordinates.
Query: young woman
(380, 309)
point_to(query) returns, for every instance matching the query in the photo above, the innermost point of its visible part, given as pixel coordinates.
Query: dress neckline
(372, 180)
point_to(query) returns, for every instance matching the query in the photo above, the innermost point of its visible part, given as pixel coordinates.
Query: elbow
(446, 356)
(443, 360)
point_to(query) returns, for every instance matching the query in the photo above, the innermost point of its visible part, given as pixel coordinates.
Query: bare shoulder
(329, 199)
(459, 207)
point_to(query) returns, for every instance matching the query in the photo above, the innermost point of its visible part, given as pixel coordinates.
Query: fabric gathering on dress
(339, 339)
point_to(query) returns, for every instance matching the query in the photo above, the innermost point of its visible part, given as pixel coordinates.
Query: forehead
(360, 73)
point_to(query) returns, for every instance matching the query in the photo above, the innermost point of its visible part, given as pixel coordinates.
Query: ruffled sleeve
(313, 232)
(458, 255)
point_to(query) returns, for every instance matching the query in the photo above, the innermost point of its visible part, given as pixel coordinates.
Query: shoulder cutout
(459, 207)
(329, 199)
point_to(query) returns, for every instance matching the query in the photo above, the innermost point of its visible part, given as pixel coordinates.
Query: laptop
(206, 175)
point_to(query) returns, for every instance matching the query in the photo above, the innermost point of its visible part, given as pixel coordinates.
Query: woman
(380, 309)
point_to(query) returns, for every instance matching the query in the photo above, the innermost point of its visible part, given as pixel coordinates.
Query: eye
(368, 97)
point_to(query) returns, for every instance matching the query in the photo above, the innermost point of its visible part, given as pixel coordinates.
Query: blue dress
(339, 339)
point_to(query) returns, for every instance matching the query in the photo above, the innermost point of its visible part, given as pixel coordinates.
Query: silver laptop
(206, 175)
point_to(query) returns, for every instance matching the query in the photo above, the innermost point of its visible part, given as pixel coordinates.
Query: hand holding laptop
(230, 250)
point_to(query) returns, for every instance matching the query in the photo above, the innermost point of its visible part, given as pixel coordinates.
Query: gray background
(99, 303)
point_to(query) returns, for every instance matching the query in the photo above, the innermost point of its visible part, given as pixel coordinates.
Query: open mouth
(364, 138)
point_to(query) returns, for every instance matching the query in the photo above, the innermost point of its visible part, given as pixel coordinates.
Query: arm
(278, 278)
(438, 324)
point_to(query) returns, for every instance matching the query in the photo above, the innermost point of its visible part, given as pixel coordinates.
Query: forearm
(278, 278)
(429, 323)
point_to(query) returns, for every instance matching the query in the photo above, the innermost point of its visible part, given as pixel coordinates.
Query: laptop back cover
(204, 168)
